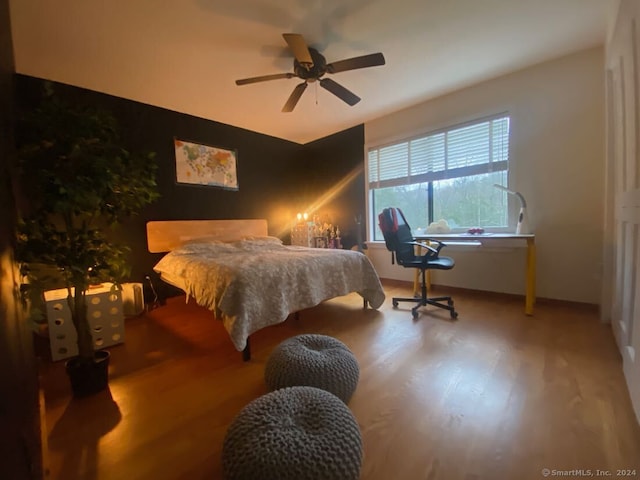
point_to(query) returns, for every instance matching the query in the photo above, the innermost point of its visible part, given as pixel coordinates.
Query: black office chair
(400, 241)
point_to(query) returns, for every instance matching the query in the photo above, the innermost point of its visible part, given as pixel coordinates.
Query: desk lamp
(523, 223)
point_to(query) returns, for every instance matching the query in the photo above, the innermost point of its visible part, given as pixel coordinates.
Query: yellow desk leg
(531, 277)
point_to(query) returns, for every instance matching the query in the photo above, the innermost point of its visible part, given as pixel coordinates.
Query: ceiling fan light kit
(310, 65)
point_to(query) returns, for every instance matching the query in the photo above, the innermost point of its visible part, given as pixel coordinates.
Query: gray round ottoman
(315, 361)
(296, 433)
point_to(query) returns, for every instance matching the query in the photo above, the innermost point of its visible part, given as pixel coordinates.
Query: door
(621, 297)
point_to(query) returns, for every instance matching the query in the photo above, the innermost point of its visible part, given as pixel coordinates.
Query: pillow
(260, 240)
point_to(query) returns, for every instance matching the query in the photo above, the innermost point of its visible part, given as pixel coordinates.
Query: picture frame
(205, 165)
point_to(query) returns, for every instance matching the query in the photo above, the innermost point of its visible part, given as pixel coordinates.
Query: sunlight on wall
(282, 217)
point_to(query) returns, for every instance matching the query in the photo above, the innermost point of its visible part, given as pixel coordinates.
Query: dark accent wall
(20, 443)
(336, 172)
(277, 178)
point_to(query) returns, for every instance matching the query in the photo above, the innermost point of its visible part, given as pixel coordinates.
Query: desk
(488, 238)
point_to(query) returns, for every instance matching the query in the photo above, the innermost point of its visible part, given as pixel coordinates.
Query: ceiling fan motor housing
(313, 72)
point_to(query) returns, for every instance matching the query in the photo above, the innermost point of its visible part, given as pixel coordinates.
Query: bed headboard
(164, 236)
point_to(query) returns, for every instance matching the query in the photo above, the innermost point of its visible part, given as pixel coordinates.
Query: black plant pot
(88, 378)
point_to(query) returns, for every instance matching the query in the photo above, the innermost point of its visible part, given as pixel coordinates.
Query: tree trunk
(78, 306)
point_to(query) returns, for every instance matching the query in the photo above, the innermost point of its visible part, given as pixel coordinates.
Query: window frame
(471, 170)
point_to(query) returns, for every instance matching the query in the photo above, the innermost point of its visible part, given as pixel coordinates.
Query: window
(448, 174)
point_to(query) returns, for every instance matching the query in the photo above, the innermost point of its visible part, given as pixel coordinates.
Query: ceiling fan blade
(371, 60)
(263, 78)
(339, 91)
(294, 97)
(299, 47)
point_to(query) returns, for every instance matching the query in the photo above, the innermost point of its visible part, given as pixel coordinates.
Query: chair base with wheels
(423, 301)
(399, 240)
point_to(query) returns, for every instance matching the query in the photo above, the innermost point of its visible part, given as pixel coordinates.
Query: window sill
(473, 245)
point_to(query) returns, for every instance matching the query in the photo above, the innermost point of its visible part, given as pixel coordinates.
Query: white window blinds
(460, 151)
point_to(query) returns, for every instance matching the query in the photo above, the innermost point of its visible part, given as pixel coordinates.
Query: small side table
(106, 318)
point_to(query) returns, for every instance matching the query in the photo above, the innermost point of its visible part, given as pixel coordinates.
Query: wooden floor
(493, 395)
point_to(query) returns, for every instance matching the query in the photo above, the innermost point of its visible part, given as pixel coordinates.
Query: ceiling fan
(310, 66)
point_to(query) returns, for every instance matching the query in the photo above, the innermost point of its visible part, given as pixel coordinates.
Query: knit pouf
(315, 361)
(296, 433)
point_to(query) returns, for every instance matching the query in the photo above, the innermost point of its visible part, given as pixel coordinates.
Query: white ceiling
(185, 55)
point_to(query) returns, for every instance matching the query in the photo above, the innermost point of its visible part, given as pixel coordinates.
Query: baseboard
(490, 294)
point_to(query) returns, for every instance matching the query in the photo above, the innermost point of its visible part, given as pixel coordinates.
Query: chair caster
(414, 313)
(454, 315)
(394, 303)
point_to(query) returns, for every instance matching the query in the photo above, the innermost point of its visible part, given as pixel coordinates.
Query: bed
(250, 280)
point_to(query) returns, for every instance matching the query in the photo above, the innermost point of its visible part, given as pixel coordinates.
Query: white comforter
(253, 283)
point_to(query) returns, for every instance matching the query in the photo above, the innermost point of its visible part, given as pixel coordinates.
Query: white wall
(556, 162)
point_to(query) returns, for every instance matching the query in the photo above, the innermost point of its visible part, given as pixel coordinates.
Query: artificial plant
(79, 181)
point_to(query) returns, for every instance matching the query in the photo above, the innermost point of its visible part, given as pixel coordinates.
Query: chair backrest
(397, 234)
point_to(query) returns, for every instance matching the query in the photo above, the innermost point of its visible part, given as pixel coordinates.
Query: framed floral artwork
(198, 164)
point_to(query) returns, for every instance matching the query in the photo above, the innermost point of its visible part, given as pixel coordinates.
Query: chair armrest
(433, 240)
(431, 251)
(425, 246)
